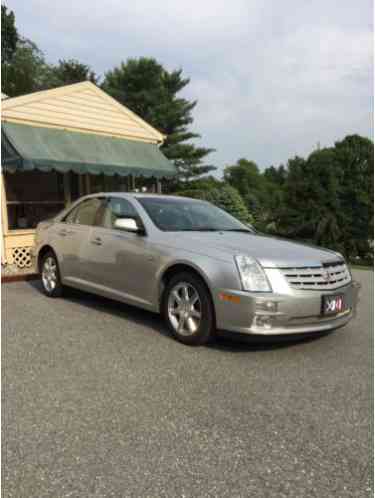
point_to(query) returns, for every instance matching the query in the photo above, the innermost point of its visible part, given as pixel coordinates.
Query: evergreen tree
(276, 176)
(9, 35)
(329, 197)
(27, 72)
(224, 197)
(67, 72)
(261, 192)
(24, 68)
(354, 160)
(205, 183)
(229, 199)
(9, 40)
(148, 89)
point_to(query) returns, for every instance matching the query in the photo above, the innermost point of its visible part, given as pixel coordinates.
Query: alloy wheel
(49, 274)
(184, 309)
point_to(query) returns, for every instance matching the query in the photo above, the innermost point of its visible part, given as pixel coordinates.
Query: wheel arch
(180, 267)
(42, 252)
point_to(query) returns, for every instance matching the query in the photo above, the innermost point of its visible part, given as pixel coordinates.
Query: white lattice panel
(22, 257)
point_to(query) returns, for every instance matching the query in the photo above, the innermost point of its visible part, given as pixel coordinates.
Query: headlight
(252, 275)
(339, 255)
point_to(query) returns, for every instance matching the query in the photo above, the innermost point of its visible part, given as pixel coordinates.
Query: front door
(118, 263)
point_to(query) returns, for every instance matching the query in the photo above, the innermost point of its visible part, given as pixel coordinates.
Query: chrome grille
(326, 277)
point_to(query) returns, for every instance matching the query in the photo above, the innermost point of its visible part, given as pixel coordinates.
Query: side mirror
(128, 224)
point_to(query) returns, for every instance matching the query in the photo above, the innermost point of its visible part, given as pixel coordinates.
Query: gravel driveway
(98, 401)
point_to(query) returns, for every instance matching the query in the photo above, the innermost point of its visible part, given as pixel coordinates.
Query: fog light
(266, 306)
(263, 321)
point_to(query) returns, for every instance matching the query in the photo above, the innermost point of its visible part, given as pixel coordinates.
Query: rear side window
(117, 207)
(85, 213)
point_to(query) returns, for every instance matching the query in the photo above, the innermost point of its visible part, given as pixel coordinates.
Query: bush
(224, 197)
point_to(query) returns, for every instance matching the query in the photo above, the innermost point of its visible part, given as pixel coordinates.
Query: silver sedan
(194, 263)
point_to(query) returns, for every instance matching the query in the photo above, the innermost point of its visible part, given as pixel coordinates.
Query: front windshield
(172, 215)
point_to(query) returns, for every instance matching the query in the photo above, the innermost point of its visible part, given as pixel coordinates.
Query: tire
(191, 320)
(50, 275)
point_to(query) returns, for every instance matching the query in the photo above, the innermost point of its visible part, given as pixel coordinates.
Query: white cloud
(272, 78)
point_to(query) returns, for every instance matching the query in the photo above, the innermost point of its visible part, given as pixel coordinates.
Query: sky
(273, 79)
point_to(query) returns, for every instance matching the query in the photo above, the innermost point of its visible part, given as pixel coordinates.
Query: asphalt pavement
(99, 401)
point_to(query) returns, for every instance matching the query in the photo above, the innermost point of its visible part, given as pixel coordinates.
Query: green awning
(25, 148)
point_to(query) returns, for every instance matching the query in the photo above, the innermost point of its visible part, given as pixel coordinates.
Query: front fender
(217, 274)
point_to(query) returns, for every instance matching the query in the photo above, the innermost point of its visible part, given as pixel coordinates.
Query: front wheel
(188, 309)
(51, 276)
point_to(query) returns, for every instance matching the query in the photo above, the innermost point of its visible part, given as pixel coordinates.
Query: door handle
(64, 232)
(97, 241)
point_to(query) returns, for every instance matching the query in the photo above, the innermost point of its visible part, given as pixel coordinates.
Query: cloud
(271, 78)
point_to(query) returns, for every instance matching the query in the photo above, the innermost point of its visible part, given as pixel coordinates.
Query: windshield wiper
(210, 229)
(199, 229)
(236, 230)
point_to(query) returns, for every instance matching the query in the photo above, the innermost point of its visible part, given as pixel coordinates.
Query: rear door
(71, 235)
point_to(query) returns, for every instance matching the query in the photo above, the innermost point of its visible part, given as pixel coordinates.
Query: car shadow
(235, 342)
(110, 307)
(223, 341)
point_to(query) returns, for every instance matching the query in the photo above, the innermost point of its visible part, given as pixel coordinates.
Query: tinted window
(188, 215)
(116, 207)
(71, 215)
(85, 213)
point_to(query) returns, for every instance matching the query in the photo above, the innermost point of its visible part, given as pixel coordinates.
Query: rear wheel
(51, 276)
(188, 310)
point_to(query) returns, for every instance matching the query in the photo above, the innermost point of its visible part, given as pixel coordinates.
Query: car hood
(271, 252)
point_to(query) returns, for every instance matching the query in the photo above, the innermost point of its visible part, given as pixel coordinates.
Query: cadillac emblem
(326, 276)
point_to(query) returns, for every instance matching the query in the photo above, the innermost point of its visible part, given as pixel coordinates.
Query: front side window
(85, 213)
(187, 215)
(71, 215)
(117, 207)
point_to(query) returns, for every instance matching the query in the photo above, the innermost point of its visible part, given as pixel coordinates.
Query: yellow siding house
(63, 143)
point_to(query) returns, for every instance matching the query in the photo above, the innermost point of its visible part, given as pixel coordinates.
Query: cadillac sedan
(199, 267)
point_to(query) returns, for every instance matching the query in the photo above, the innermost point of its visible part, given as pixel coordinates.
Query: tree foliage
(9, 35)
(312, 208)
(152, 92)
(225, 197)
(326, 199)
(67, 72)
(261, 192)
(27, 72)
(354, 159)
(204, 183)
(24, 68)
(330, 197)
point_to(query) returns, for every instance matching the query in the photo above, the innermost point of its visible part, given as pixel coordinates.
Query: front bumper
(293, 313)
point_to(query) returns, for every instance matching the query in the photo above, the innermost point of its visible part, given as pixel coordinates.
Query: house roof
(79, 107)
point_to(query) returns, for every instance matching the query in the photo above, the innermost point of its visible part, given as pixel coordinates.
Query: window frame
(78, 206)
(137, 217)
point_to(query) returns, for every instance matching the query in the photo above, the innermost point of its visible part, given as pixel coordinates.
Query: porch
(55, 149)
(30, 197)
